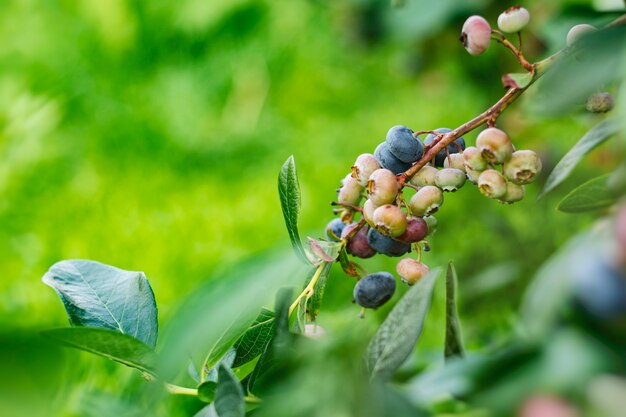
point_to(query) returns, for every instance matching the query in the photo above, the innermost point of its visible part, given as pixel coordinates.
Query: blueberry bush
(253, 340)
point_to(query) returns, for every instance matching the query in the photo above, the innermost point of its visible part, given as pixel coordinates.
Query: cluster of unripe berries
(391, 225)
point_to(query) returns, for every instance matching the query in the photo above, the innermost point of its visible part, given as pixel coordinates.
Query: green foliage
(289, 193)
(592, 195)
(398, 334)
(453, 345)
(98, 295)
(229, 394)
(110, 344)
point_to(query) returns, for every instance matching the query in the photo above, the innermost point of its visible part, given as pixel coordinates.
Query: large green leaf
(252, 343)
(454, 339)
(229, 400)
(108, 343)
(592, 195)
(98, 295)
(397, 336)
(598, 134)
(289, 193)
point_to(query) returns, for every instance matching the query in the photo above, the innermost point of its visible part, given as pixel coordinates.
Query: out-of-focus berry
(476, 35)
(600, 103)
(411, 271)
(334, 229)
(514, 193)
(513, 19)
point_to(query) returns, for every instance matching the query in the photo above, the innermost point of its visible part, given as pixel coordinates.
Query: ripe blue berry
(411, 271)
(403, 145)
(416, 230)
(601, 288)
(390, 220)
(334, 229)
(388, 160)
(374, 290)
(513, 19)
(363, 167)
(382, 187)
(386, 245)
(358, 245)
(476, 35)
(455, 147)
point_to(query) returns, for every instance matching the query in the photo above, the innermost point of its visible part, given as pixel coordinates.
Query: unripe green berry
(363, 167)
(514, 193)
(600, 103)
(455, 160)
(431, 222)
(382, 187)
(450, 179)
(513, 19)
(390, 220)
(472, 175)
(411, 271)
(426, 201)
(416, 230)
(425, 176)
(523, 167)
(579, 31)
(350, 191)
(473, 159)
(476, 35)
(492, 184)
(368, 211)
(495, 145)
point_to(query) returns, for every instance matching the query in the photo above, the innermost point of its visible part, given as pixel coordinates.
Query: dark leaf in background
(454, 339)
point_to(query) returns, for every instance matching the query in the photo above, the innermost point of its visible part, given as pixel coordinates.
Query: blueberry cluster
(392, 225)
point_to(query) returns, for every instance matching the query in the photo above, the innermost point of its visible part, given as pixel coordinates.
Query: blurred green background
(148, 135)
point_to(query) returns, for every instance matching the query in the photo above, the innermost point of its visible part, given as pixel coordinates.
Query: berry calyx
(492, 184)
(374, 290)
(390, 220)
(476, 35)
(513, 19)
(382, 187)
(411, 271)
(523, 167)
(450, 179)
(426, 201)
(495, 145)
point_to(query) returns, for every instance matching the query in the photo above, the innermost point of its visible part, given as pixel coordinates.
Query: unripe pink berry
(492, 184)
(416, 230)
(513, 19)
(350, 191)
(455, 160)
(473, 159)
(450, 179)
(363, 167)
(495, 145)
(425, 176)
(523, 167)
(514, 193)
(579, 31)
(426, 201)
(358, 245)
(476, 35)
(382, 187)
(411, 271)
(390, 220)
(368, 211)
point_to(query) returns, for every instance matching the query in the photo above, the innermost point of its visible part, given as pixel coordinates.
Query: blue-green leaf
(289, 193)
(598, 134)
(110, 344)
(592, 195)
(454, 339)
(396, 337)
(98, 295)
(229, 400)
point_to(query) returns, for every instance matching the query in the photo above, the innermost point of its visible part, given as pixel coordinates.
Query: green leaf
(397, 336)
(226, 360)
(598, 134)
(314, 303)
(289, 193)
(454, 339)
(252, 343)
(208, 411)
(206, 391)
(110, 344)
(98, 295)
(517, 80)
(229, 400)
(592, 195)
